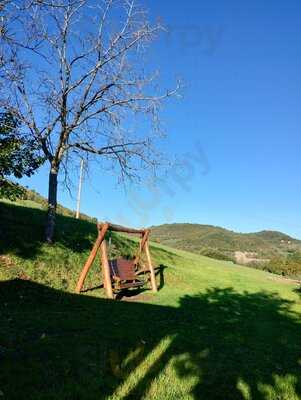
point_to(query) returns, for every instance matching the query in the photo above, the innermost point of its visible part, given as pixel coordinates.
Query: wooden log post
(91, 258)
(151, 268)
(106, 271)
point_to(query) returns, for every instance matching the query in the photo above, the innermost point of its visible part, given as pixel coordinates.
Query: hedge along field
(215, 330)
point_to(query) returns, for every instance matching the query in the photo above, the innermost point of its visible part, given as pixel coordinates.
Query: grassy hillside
(215, 330)
(41, 202)
(266, 249)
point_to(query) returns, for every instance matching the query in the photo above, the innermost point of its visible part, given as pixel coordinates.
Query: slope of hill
(258, 249)
(215, 330)
(41, 202)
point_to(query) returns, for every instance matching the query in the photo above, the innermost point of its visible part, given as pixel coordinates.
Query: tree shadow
(22, 231)
(251, 344)
(22, 234)
(228, 345)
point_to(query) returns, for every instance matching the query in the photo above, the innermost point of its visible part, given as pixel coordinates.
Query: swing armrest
(141, 271)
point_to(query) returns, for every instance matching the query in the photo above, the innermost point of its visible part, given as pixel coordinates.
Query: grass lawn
(215, 330)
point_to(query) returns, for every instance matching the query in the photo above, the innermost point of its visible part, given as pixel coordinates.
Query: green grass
(215, 330)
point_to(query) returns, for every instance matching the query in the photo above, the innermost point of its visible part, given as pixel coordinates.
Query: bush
(287, 266)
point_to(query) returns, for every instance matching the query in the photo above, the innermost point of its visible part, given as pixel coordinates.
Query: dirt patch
(23, 277)
(245, 258)
(6, 261)
(283, 279)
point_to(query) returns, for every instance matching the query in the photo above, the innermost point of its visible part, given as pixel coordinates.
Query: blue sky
(237, 126)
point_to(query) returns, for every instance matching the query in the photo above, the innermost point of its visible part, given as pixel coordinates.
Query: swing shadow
(130, 293)
(160, 271)
(216, 345)
(92, 288)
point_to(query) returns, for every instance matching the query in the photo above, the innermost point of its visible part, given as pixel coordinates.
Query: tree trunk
(52, 202)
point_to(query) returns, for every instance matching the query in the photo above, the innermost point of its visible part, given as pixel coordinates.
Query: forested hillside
(270, 250)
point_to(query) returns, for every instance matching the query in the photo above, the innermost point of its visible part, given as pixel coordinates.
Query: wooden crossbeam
(119, 228)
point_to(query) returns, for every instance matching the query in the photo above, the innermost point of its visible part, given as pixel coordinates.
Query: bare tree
(11, 14)
(5, 50)
(76, 79)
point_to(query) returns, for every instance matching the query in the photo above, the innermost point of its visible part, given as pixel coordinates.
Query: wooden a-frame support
(100, 243)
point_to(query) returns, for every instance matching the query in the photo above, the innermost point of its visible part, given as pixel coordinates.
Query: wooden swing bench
(120, 273)
(124, 274)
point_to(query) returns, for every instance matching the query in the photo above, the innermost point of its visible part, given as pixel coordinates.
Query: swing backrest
(123, 269)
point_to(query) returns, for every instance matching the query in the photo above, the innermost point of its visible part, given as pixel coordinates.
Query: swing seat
(124, 274)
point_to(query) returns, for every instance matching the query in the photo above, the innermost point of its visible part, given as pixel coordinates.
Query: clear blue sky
(241, 63)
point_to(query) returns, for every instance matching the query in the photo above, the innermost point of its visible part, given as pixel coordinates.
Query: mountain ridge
(218, 242)
(263, 232)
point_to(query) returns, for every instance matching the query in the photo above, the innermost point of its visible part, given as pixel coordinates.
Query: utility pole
(79, 188)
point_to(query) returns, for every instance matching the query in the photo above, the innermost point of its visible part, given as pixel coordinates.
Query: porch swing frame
(110, 281)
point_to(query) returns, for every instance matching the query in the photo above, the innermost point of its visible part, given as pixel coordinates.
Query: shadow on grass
(298, 290)
(159, 271)
(22, 231)
(228, 345)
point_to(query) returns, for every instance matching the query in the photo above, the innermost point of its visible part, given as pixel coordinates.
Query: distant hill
(216, 242)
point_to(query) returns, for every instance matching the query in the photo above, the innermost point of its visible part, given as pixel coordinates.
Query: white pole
(79, 188)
